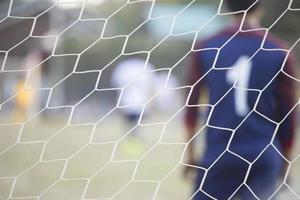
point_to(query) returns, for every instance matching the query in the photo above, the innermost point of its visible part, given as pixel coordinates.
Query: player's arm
(286, 98)
(191, 115)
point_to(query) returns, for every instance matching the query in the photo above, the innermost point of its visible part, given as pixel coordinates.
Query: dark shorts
(226, 177)
(132, 117)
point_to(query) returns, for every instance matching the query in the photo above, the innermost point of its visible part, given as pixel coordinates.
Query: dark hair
(240, 5)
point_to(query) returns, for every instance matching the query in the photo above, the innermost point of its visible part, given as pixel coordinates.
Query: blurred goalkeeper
(252, 96)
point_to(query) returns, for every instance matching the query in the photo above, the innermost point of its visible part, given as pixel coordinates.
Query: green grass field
(49, 160)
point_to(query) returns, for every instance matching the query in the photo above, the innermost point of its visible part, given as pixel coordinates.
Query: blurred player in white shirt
(138, 84)
(137, 81)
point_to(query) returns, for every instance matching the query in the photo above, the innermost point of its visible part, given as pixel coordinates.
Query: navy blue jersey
(248, 79)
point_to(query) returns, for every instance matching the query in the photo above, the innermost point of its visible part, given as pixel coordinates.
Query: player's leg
(134, 144)
(222, 179)
(131, 120)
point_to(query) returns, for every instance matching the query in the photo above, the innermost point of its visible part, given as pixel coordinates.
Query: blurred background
(61, 134)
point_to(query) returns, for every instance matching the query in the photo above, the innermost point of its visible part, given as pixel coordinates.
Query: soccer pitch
(54, 161)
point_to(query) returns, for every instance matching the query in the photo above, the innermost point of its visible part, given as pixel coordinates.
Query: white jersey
(167, 98)
(137, 82)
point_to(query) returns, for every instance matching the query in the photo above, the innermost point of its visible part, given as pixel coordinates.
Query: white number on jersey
(239, 74)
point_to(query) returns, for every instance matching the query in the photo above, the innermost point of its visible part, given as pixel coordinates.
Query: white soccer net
(62, 135)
